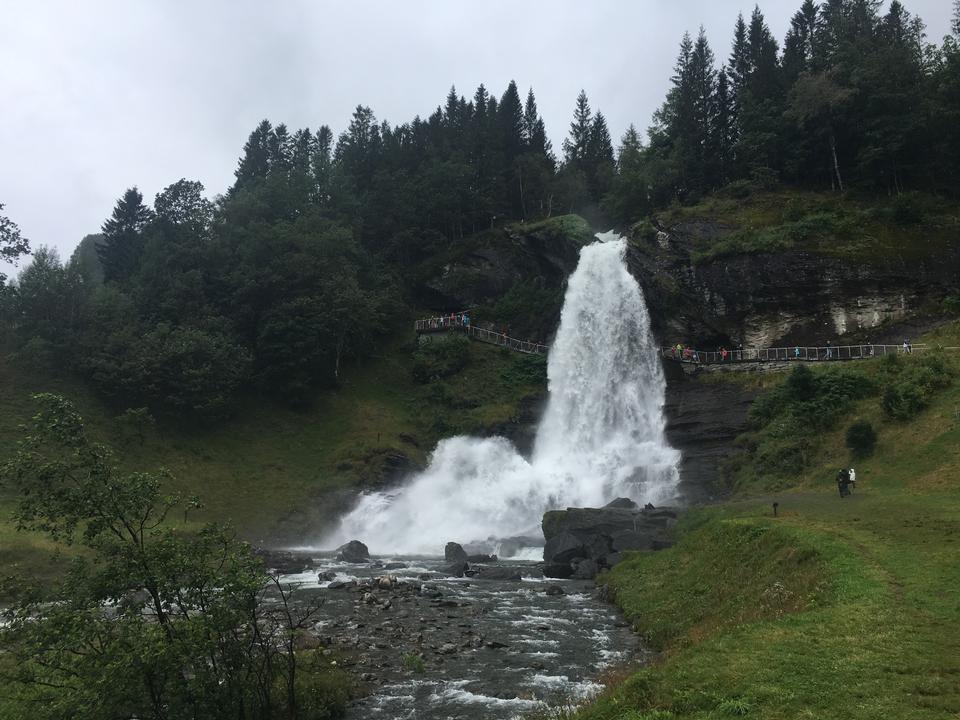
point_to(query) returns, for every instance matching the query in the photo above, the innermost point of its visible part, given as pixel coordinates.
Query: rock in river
(580, 542)
(454, 553)
(353, 552)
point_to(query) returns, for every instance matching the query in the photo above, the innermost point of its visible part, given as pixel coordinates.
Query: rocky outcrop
(580, 542)
(703, 418)
(481, 269)
(785, 298)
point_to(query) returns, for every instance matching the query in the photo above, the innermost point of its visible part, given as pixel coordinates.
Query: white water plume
(601, 436)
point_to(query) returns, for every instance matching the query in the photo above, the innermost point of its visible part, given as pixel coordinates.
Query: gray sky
(98, 96)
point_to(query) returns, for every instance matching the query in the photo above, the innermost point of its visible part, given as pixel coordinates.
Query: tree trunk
(836, 165)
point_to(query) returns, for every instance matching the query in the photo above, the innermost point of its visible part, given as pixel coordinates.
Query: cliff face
(781, 299)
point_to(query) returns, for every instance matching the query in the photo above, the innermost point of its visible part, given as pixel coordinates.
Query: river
(490, 648)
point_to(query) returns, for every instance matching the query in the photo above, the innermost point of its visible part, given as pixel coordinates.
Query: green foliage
(861, 438)
(909, 384)
(413, 662)
(951, 304)
(789, 421)
(150, 621)
(524, 306)
(12, 243)
(440, 357)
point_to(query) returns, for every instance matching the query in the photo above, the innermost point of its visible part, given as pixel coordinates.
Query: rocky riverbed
(427, 645)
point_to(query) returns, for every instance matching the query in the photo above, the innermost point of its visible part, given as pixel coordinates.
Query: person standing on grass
(853, 479)
(843, 482)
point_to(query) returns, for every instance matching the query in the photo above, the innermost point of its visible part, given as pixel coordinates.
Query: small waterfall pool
(490, 648)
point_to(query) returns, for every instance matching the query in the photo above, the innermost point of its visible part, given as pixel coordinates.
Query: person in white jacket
(853, 479)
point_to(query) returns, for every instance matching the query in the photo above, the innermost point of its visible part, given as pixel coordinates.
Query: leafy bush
(951, 305)
(440, 358)
(861, 438)
(909, 385)
(414, 663)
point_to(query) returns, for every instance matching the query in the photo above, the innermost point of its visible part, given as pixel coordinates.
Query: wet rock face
(581, 542)
(702, 421)
(780, 299)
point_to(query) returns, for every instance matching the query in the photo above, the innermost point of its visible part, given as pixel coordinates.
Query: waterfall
(601, 437)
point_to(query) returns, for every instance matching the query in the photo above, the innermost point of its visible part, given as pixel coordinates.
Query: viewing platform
(798, 353)
(460, 322)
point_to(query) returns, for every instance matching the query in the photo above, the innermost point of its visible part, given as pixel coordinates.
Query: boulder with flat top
(581, 542)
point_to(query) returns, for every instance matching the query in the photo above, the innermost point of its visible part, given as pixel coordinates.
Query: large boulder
(454, 553)
(457, 569)
(622, 503)
(499, 572)
(353, 552)
(581, 542)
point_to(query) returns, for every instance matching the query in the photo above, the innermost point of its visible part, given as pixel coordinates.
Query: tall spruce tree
(575, 146)
(122, 244)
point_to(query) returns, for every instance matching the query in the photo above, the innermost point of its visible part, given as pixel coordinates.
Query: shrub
(861, 438)
(441, 358)
(414, 663)
(909, 385)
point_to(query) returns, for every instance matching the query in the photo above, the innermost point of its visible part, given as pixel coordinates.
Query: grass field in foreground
(838, 608)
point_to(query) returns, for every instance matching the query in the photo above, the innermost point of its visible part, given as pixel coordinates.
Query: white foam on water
(601, 437)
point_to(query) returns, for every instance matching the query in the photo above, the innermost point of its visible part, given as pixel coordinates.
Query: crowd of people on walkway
(441, 322)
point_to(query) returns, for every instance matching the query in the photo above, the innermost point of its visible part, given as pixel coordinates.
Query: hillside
(836, 607)
(281, 475)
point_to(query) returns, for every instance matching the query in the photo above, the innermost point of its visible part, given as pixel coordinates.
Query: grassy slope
(270, 464)
(864, 230)
(836, 609)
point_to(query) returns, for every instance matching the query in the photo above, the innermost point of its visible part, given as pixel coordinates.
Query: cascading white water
(601, 436)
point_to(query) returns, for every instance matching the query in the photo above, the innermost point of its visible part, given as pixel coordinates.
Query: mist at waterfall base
(601, 436)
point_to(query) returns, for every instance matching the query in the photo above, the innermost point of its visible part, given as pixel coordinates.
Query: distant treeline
(305, 260)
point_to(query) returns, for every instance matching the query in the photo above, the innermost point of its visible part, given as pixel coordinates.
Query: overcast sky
(97, 96)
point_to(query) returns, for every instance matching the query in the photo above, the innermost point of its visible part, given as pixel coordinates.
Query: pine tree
(722, 130)
(511, 121)
(599, 162)
(255, 163)
(738, 68)
(321, 163)
(630, 152)
(575, 146)
(123, 236)
(530, 117)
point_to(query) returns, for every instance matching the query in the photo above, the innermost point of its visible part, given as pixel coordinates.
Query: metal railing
(460, 322)
(795, 353)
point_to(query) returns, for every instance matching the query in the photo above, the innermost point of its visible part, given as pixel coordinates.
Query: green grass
(867, 230)
(835, 609)
(273, 471)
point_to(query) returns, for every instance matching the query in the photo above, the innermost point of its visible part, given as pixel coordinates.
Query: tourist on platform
(796, 352)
